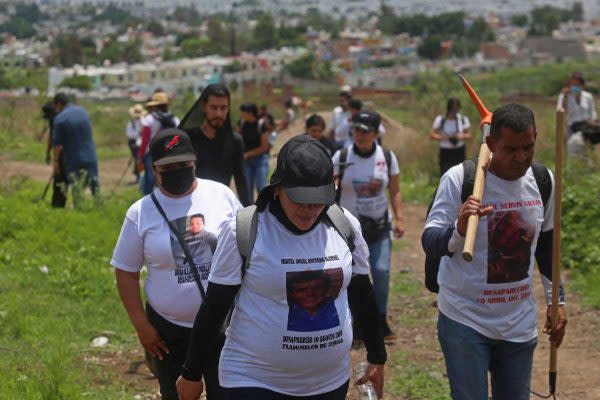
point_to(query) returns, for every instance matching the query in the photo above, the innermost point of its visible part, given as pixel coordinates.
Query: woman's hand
(189, 390)
(399, 229)
(374, 374)
(151, 340)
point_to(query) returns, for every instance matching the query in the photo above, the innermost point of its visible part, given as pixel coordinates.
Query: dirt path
(412, 312)
(110, 172)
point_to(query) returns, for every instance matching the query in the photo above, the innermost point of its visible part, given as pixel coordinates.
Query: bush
(581, 236)
(83, 83)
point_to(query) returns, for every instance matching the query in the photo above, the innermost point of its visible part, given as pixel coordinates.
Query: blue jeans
(149, 179)
(257, 169)
(380, 259)
(470, 355)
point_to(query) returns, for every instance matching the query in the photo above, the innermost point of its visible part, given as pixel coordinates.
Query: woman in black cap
(306, 265)
(174, 232)
(365, 171)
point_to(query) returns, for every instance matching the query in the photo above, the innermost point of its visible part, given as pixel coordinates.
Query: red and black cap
(366, 120)
(305, 172)
(171, 146)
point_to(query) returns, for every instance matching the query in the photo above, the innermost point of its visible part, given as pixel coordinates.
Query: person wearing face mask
(184, 214)
(579, 104)
(451, 130)
(290, 332)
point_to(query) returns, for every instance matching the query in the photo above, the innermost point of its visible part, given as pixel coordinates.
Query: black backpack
(544, 183)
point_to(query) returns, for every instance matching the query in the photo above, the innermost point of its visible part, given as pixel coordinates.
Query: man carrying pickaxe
(487, 311)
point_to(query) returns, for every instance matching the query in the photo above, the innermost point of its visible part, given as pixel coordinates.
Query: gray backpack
(247, 222)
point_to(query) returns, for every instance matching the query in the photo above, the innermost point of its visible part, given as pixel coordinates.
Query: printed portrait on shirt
(200, 243)
(367, 187)
(510, 237)
(311, 299)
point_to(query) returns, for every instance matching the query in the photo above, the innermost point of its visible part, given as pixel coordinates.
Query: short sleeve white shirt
(291, 328)
(365, 182)
(451, 127)
(493, 293)
(582, 111)
(338, 118)
(146, 239)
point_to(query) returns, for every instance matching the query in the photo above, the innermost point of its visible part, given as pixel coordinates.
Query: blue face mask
(575, 89)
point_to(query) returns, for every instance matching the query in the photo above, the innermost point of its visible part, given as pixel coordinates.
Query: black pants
(169, 368)
(591, 132)
(451, 157)
(59, 185)
(133, 148)
(253, 393)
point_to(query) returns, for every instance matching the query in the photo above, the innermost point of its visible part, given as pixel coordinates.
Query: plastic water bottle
(365, 391)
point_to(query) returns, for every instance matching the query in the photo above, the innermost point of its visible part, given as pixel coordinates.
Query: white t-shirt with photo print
(450, 128)
(291, 328)
(493, 293)
(146, 239)
(365, 182)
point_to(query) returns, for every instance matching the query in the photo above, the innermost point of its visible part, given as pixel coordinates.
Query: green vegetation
(35, 78)
(58, 294)
(308, 67)
(466, 34)
(21, 23)
(581, 252)
(81, 82)
(546, 19)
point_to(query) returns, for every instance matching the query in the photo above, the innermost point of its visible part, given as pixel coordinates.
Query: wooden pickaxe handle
(482, 164)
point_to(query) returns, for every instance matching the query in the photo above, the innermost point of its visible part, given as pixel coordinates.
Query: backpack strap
(246, 224)
(470, 168)
(543, 180)
(342, 167)
(442, 123)
(184, 247)
(388, 158)
(341, 223)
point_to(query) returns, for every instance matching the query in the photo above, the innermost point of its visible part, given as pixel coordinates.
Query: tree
(546, 19)
(480, 31)
(5, 81)
(19, 27)
(80, 82)
(155, 28)
(577, 12)
(67, 50)
(194, 47)
(265, 33)
(520, 20)
(431, 47)
(302, 67)
(116, 52)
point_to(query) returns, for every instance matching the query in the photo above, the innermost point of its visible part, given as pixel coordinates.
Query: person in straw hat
(158, 118)
(132, 131)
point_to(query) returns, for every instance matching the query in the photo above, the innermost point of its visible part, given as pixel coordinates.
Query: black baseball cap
(170, 146)
(305, 172)
(367, 120)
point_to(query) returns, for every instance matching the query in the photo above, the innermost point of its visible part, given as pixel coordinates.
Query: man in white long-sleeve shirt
(581, 109)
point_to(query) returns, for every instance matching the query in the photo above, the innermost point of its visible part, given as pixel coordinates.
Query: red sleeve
(145, 140)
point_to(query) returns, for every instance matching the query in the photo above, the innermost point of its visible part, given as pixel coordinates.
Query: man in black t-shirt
(219, 151)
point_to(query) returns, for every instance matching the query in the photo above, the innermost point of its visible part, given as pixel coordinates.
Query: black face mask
(177, 181)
